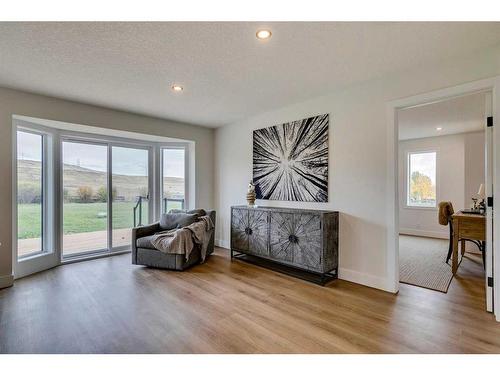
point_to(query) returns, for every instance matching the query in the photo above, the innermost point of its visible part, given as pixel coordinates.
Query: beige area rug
(422, 262)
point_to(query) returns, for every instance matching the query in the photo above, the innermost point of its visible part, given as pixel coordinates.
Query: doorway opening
(444, 176)
(442, 172)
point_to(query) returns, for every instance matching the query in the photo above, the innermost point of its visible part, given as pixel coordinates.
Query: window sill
(94, 255)
(420, 208)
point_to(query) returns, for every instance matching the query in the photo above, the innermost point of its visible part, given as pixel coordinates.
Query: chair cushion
(145, 242)
(178, 220)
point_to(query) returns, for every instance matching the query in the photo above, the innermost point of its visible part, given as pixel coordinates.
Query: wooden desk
(469, 226)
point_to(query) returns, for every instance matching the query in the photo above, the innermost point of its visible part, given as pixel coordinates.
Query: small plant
(102, 194)
(66, 196)
(144, 191)
(28, 192)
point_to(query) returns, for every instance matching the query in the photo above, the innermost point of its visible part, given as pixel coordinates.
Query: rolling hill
(127, 187)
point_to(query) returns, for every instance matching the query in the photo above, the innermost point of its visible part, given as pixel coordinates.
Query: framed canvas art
(290, 161)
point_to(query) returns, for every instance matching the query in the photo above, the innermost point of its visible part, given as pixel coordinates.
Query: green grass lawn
(29, 221)
(78, 217)
(81, 217)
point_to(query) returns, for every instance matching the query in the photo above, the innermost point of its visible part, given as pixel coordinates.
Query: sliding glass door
(173, 178)
(130, 192)
(85, 197)
(90, 171)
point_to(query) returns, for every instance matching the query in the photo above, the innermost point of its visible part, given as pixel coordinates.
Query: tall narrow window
(173, 162)
(421, 186)
(30, 197)
(85, 207)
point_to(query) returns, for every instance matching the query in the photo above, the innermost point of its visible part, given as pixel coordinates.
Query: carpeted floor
(422, 262)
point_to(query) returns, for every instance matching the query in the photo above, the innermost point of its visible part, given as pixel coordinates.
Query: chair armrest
(138, 232)
(146, 230)
(211, 244)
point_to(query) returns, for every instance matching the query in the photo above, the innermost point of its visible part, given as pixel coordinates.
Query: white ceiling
(462, 114)
(227, 73)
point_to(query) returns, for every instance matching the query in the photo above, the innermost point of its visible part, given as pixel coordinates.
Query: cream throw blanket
(182, 240)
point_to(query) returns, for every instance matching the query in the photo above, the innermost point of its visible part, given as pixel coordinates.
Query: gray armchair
(144, 253)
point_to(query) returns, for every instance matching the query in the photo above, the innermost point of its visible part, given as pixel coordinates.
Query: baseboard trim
(366, 280)
(222, 243)
(346, 274)
(6, 281)
(424, 233)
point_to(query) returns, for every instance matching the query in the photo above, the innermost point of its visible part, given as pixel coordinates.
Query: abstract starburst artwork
(290, 161)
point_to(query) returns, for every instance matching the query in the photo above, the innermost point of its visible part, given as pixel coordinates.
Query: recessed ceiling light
(439, 128)
(177, 88)
(263, 34)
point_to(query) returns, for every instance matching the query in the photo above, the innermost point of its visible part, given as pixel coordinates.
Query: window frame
(47, 198)
(409, 153)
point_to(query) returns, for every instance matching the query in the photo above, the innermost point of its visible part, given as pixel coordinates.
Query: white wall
(474, 165)
(358, 161)
(21, 103)
(460, 165)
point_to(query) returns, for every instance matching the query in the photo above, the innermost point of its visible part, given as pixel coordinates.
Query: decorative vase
(251, 194)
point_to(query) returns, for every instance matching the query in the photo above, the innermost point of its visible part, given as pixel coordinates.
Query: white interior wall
(358, 186)
(475, 157)
(13, 102)
(460, 170)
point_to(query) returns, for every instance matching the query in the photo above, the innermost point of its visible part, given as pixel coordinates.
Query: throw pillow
(176, 220)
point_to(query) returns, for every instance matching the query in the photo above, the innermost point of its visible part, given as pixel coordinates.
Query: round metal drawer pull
(293, 238)
(248, 231)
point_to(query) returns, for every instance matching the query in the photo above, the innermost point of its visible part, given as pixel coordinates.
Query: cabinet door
(258, 234)
(309, 246)
(239, 225)
(281, 236)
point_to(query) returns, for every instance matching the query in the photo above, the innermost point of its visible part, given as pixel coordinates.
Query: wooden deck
(111, 306)
(80, 242)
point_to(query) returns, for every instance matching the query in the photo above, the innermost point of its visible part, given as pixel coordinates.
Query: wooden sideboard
(301, 240)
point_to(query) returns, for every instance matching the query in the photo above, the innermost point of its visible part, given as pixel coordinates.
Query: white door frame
(489, 84)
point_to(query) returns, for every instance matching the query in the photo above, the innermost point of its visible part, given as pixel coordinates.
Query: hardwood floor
(110, 306)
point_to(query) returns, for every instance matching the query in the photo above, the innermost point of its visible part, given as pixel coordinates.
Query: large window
(80, 194)
(30, 197)
(421, 179)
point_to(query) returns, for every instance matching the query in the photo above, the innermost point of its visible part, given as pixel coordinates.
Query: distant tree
(102, 194)
(28, 192)
(66, 197)
(143, 190)
(85, 194)
(421, 187)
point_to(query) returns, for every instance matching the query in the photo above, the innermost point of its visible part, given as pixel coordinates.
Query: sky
(126, 161)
